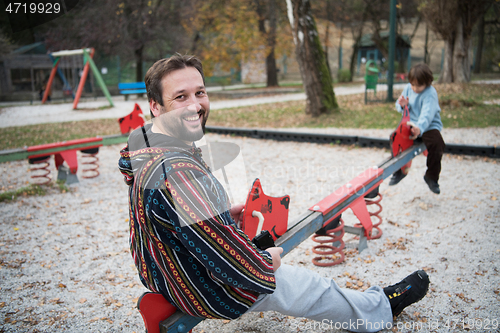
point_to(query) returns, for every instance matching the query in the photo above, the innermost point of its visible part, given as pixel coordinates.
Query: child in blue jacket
(423, 103)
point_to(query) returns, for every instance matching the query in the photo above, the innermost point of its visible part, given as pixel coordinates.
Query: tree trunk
(269, 35)
(316, 77)
(446, 75)
(461, 67)
(480, 42)
(352, 64)
(139, 77)
(427, 59)
(356, 35)
(271, 69)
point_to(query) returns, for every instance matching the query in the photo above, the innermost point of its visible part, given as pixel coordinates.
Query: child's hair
(422, 74)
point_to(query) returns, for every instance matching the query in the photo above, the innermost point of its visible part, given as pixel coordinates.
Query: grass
(20, 136)
(462, 106)
(34, 190)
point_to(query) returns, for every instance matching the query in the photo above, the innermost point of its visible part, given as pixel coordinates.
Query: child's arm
(402, 100)
(430, 106)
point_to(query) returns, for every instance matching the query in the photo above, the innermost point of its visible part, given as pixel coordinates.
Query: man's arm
(197, 205)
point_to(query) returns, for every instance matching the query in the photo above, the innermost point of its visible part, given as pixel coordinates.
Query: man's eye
(180, 97)
(201, 93)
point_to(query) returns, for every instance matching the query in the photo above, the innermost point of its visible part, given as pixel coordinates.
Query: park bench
(131, 88)
(64, 151)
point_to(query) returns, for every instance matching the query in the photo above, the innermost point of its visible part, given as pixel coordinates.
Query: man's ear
(154, 107)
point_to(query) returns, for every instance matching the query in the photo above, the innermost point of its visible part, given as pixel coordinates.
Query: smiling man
(181, 108)
(184, 234)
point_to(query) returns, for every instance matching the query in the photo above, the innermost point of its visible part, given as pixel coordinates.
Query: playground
(66, 263)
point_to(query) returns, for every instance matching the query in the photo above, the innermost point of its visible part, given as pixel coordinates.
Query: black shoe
(410, 290)
(433, 185)
(396, 177)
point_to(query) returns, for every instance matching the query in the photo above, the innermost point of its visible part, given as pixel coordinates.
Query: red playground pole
(82, 80)
(49, 83)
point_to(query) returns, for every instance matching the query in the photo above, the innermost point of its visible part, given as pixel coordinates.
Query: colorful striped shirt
(182, 238)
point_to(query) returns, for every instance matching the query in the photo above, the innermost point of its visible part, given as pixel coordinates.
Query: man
(184, 238)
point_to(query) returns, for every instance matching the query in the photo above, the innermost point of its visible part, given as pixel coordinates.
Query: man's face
(186, 106)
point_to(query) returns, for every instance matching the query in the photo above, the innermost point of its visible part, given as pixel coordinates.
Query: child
(422, 100)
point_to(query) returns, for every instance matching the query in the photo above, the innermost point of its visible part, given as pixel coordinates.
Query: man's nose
(194, 105)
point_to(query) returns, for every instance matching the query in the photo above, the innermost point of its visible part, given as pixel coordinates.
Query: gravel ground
(65, 263)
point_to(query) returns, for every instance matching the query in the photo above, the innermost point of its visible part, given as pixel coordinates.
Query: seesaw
(321, 218)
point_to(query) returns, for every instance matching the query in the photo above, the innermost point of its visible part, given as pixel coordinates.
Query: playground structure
(88, 64)
(323, 215)
(161, 316)
(322, 218)
(66, 152)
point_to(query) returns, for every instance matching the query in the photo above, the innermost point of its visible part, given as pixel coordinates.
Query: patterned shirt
(182, 238)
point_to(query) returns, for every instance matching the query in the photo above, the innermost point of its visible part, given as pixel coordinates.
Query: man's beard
(174, 123)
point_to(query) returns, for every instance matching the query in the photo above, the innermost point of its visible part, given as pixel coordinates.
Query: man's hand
(236, 212)
(415, 132)
(403, 101)
(275, 253)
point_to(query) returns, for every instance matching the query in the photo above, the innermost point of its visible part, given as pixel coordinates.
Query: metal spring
(91, 163)
(325, 250)
(41, 172)
(374, 201)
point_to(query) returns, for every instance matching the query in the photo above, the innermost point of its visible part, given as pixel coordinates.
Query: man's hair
(163, 67)
(422, 74)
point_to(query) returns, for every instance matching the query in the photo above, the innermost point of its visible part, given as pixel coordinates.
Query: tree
(132, 29)
(314, 70)
(229, 32)
(266, 11)
(349, 14)
(454, 21)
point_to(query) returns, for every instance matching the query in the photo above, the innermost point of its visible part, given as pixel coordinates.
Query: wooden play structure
(88, 64)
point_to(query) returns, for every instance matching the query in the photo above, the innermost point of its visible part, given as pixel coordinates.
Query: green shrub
(344, 75)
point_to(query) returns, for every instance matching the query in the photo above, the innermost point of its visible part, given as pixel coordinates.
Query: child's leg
(435, 148)
(303, 293)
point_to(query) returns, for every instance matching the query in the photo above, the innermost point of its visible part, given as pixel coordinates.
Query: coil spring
(374, 201)
(40, 172)
(332, 236)
(90, 163)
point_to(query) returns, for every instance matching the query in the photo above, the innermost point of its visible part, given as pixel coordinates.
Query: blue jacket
(424, 108)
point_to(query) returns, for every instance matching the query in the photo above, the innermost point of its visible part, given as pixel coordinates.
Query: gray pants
(303, 293)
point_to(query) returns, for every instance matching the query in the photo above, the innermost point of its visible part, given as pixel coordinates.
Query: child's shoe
(433, 185)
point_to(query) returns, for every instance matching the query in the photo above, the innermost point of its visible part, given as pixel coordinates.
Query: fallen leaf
(423, 206)
(83, 300)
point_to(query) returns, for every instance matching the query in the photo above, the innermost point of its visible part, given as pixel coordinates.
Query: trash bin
(371, 77)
